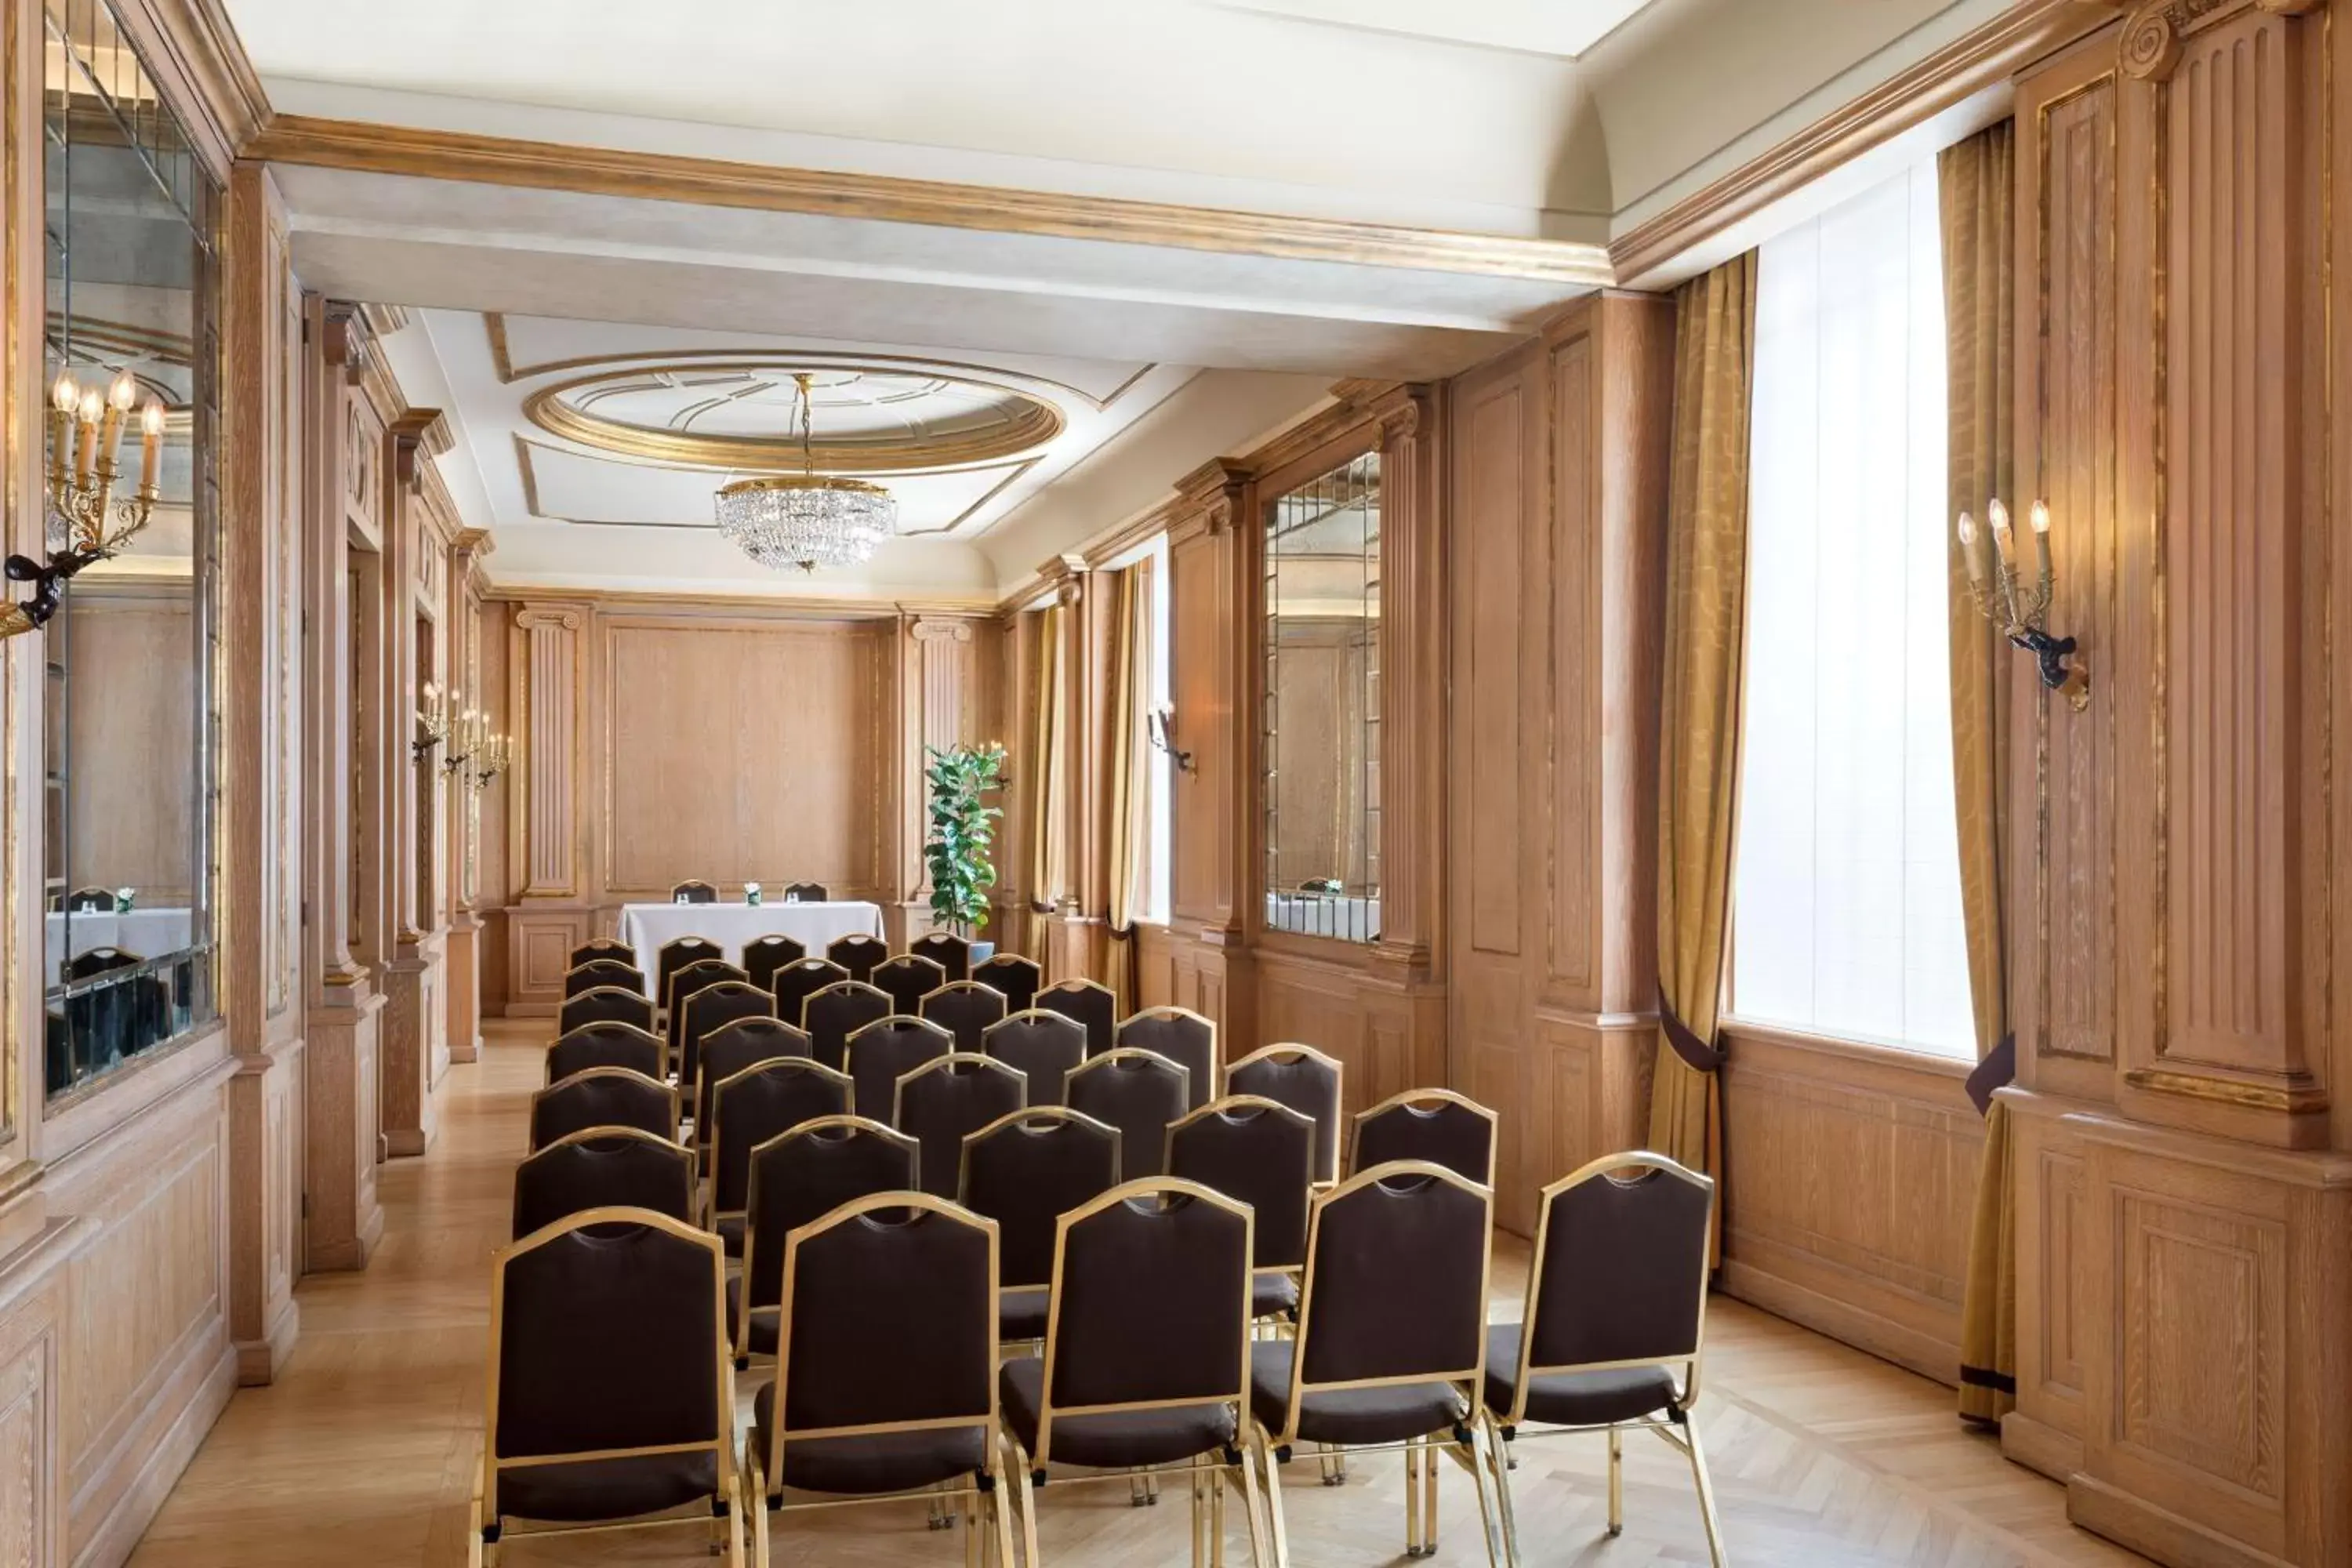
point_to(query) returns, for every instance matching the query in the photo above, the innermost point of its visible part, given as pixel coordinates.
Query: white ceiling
(1563, 28)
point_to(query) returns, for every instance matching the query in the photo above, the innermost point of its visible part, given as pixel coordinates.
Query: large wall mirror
(1321, 746)
(128, 713)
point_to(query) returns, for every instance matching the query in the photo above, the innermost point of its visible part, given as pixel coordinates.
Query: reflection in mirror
(128, 710)
(1322, 705)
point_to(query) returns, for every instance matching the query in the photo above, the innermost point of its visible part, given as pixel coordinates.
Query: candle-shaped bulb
(1998, 514)
(2040, 517)
(122, 394)
(1971, 548)
(65, 396)
(150, 446)
(90, 407)
(1968, 530)
(150, 421)
(86, 415)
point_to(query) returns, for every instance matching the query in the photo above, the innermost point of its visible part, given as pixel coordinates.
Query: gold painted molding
(2152, 39)
(2296, 1099)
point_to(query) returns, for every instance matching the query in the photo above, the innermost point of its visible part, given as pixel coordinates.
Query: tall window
(1846, 896)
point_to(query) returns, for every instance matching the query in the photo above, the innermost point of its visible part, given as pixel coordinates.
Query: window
(1846, 894)
(1159, 778)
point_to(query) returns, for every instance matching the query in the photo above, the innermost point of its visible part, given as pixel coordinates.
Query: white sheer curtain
(1846, 896)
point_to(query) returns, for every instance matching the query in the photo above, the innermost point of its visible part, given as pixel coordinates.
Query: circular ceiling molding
(745, 415)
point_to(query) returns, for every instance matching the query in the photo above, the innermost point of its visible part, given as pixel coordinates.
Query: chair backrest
(604, 1046)
(796, 982)
(98, 960)
(601, 972)
(801, 1175)
(1396, 1282)
(721, 1003)
(1017, 977)
(1137, 1091)
(952, 952)
(759, 1103)
(675, 955)
(858, 952)
(964, 1009)
(92, 901)
(683, 987)
(605, 1005)
(732, 1046)
(807, 892)
(1434, 1124)
(605, 1342)
(603, 1167)
(909, 979)
(1307, 1081)
(694, 891)
(1650, 1218)
(878, 1056)
(1045, 1046)
(893, 1326)
(603, 947)
(1025, 1171)
(1088, 1002)
(939, 1102)
(1258, 1151)
(1184, 1037)
(1150, 1303)
(839, 1011)
(603, 1096)
(763, 955)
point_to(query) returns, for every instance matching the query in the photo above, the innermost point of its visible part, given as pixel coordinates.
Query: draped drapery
(1976, 181)
(1698, 763)
(1044, 771)
(1128, 802)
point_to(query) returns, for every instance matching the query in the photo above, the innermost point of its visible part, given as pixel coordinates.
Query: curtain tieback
(1696, 1054)
(1996, 1071)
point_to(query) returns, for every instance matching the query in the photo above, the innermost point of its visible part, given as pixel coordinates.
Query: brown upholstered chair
(1147, 1362)
(603, 1096)
(610, 1395)
(732, 1046)
(1434, 1124)
(98, 960)
(858, 952)
(764, 1101)
(763, 955)
(1090, 1003)
(93, 901)
(1260, 1153)
(798, 980)
(1184, 1037)
(1025, 1172)
(839, 1011)
(1015, 975)
(694, 891)
(797, 1177)
(605, 1005)
(939, 1102)
(1045, 1046)
(675, 955)
(964, 1009)
(1137, 1091)
(952, 952)
(807, 892)
(1614, 1318)
(603, 947)
(1307, 1081)
(605, 1046)
(890, 1366)
(601, 972)
(707, 1009)
(603, 1167)
(878, 1056)
(683, 986)
(1392, 1341)
(909, 979)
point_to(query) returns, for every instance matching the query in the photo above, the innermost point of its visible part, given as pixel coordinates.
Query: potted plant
(956, 849)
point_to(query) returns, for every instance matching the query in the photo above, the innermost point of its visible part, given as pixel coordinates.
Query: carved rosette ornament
(2154, 33)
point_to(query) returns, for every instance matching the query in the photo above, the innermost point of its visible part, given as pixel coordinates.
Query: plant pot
(982, 952)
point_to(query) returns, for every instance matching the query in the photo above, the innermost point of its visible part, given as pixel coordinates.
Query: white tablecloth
(647, 927)
(150, 933)
(1324, 914)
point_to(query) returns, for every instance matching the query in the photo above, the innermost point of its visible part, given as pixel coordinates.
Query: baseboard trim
(116, 1533)
(259, 1361)
(1843, 1322)
(2157, 1532)
(2040, 1447)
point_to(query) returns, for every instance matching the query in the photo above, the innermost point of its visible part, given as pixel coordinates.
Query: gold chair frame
(742, 1347)
(841, 978)
(1413, 1098)
(1292, 1051)
(531, 1113)
(647, 1036)
(708, 1190)
(1232, 1102)
(949, 1063)
(639, 997)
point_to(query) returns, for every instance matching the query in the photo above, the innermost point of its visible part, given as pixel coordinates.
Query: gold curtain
(1698, 762)
(1128, 803)
(1977, 185)
(1043, 769)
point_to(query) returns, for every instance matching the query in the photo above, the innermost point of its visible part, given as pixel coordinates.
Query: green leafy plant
(963, 828)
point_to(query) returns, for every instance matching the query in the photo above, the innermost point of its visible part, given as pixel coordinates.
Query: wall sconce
(2020, 609)
(1159, 725)
(475, 750)
(85, 440)
(432, 721)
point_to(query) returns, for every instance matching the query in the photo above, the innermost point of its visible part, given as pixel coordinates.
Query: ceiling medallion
(806, 520)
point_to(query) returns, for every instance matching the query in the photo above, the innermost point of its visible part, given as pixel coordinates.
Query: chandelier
(806, 520)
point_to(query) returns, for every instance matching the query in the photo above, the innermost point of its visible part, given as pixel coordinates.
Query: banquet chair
(1137, 1091)
(952, 952)
(93, 901)
(908, 978)
(98, 960)
(605, 1005)
(1025, 1171)
(1392, 1341)
(878, 1056)
(1145, 1362)
(1434, 1124)
(763, 955)
(683, 987)
(1015, 975)
(603, 947)
(946, 1097)
(598, 971)
(1044, 1045)
(675, 954)
(711, 1007)
(694, 891)
(603, 1096)
(1604, 1348)
(964, 1009)
(761, 1102)
(796, 982)
(1260, 1153)
(733, 1046)
(1090, 1003)
(610, 1397)
(807, 892)
(1307, 1081)
(1184, 1037)
(885, 1389)
(797, 1177)
(603, 1167)
(858, 952)
(603, 1045)
(839, 1011)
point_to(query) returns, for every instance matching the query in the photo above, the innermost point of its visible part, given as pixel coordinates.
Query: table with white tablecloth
(647, 927)
(150, 933)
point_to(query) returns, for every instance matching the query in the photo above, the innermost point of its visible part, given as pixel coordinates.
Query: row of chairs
(695, 890)
(607, 961)
(890, 1383)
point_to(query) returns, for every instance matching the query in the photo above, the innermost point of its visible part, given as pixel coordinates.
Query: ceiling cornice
(190, 49)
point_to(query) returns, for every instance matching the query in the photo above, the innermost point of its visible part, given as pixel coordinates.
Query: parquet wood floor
(363, 1454)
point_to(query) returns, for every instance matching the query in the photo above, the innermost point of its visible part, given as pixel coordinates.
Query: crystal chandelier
(806, 520)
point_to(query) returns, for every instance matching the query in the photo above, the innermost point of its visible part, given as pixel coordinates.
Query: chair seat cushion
(863, 1467)
(1273, 1294)
(600, 1489)
(1021, 1315)
(1344, 1416)
(1573, 1398)
(1113, 1441)
(763, 1329)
